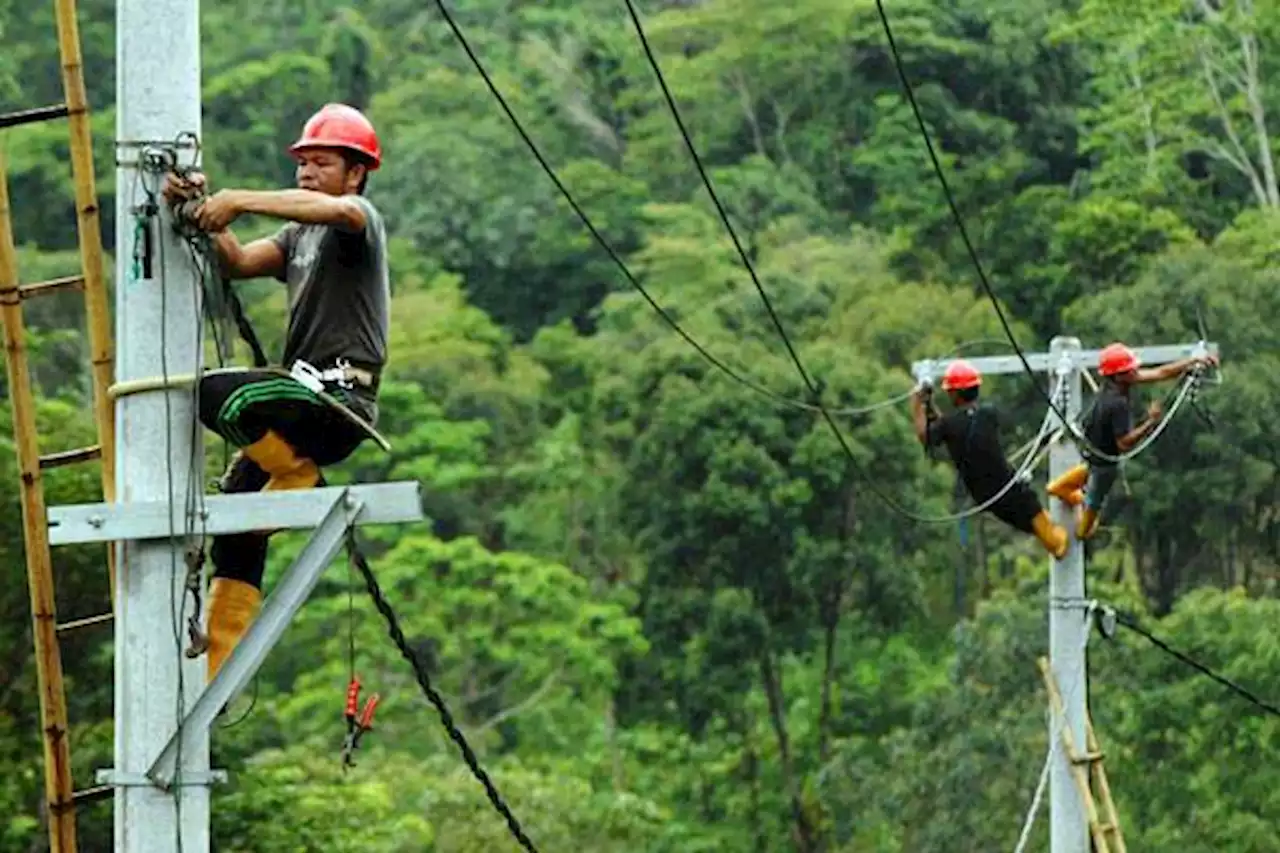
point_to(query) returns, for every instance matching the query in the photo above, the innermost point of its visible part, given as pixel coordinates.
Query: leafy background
(668, 613)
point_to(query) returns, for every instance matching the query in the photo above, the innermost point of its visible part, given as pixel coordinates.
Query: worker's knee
(1101, 480)
(240, 556)
(228, 403)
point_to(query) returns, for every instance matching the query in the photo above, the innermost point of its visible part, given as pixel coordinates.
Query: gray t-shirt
(339, 291)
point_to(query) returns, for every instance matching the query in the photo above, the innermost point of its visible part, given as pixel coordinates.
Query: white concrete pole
(158, 331)
(1067, 627)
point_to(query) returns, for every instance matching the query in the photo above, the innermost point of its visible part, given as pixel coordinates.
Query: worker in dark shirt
(971, 434)
(331, 255)
(1109, 428)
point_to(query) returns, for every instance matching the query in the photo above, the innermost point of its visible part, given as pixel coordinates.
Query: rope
(152, 162)
(1181, 394)
(433, 696)
(1032, 460)
(201, 244)
(182, 380)
(1037, 798)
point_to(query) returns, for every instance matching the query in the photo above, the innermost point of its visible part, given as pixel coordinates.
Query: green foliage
(667, 610)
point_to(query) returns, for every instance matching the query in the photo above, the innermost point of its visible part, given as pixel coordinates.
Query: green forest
(669, 612)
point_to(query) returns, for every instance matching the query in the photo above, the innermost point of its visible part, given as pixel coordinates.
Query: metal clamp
(309, 376)
(1064, 602)
(924, 373)
(116, 779)
(1107, 621)
(1066, 363)
(159, 155)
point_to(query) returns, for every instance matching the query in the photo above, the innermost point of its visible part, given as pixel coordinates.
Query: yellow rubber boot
(1088, 523)
(233, 605)
(288, 470)
(1052, 536)
(1068, 486)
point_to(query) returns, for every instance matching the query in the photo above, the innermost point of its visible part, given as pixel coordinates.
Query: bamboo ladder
(1106, 834)
(61, 798)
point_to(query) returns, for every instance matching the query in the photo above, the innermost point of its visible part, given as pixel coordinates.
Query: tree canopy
(666, 608)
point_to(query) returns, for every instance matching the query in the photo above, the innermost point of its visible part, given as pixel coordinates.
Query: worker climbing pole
(1110, 431)
(971, 433)
(1069, 607)
(290, 422)
(332, 256)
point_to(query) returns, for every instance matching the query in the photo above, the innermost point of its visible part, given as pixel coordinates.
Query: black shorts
(1017, 507)
(241, 406)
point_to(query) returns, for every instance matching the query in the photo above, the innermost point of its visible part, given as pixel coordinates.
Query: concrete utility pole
(158, 332)
(1068, 609)
(161, 775)
(1068, 625)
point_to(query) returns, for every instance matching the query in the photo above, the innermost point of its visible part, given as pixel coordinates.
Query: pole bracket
(289, 595)
(1067, 602)
(116, 779)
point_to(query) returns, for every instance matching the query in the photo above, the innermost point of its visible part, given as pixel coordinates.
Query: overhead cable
(674, 109)
(1133, 625)
(631, 278)
(1079, 438)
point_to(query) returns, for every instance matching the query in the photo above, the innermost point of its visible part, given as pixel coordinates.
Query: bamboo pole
(98, 319)
(1104, 793)
(53, 708)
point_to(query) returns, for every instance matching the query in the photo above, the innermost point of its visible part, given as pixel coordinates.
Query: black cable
(1132, 624)
(715, 198)
(151, 218)
(253, 703)
(201, 243)
(424, 681)
(595, 233)
(955, 214)
(755, 279)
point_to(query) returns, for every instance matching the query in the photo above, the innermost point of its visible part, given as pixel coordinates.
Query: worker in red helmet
(971, 433)
(1110, 429)
(331, 254)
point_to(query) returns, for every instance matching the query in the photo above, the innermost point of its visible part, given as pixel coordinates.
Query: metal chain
(424, 681)
(351, 616)
(199, 641)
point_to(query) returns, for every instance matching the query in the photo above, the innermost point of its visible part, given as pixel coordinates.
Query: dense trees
(668, 610)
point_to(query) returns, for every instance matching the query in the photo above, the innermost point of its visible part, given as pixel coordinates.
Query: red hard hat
(960, 376)
(1117, 358)
(340, 126)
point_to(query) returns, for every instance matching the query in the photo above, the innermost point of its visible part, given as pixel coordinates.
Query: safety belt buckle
(340, 373)
(309, 376)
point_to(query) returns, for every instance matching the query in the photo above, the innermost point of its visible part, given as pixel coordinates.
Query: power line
(755, 279)
(1079, 438)
(1132, 624)
(670, 321)
(955, 213)
(604, 243)
(715, 199)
